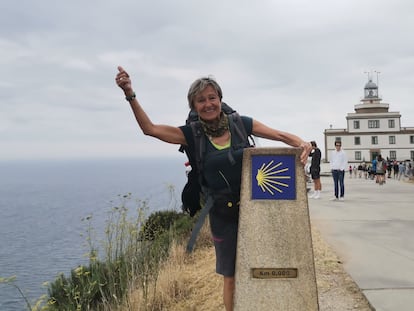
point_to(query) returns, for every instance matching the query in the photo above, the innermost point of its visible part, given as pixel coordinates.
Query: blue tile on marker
(273, 177)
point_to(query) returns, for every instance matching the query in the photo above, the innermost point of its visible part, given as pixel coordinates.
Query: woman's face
(207, 104)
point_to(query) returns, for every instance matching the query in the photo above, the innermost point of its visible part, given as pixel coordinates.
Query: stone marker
(275, 266)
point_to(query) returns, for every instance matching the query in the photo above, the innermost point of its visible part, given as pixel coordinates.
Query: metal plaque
(274, 273)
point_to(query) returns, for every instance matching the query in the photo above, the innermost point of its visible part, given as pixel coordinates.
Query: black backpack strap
(236, 126)
(200, 221)
(239, 139)
(199, 145)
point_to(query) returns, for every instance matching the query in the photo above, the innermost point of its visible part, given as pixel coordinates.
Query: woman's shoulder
(188, 134)
(247, 123)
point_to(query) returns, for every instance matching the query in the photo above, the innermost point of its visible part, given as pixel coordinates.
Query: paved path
(372, 231)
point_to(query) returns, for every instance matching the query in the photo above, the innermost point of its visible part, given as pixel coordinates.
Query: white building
(372, 130)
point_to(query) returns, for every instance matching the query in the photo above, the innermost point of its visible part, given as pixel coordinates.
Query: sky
(298, 66)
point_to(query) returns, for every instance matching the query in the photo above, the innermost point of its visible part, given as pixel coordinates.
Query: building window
(374, 140)
(357, 140)
(358, 155)
(391, 123)
(338, 139)
(393, 154)
(412, 139)
(373, 124)
(392, 140)
(412, 155)
(356, 124)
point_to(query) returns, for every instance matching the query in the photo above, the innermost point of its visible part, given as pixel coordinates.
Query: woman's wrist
(304, 144)
(129, 94)
(131, 97)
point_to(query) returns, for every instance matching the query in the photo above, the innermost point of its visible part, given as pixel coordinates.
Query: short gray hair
(199, 85)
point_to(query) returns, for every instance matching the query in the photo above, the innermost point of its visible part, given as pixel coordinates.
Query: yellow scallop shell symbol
(268, 177)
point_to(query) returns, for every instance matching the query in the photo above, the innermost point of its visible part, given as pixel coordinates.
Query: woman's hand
(307, 148)
(124, 82)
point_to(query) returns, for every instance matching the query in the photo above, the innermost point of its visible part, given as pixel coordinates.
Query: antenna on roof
(378, 73)
(369, 74)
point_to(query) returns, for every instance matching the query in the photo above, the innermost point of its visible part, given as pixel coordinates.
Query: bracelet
(131, 97)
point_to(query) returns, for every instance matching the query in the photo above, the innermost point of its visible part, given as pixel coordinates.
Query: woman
(205, 97)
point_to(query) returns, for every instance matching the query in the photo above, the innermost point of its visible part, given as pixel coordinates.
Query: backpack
(193, 194)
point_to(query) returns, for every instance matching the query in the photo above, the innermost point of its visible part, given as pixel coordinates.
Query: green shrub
(87, 287)
(158, 223)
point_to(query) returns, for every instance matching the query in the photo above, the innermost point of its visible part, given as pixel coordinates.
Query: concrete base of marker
(275, 265)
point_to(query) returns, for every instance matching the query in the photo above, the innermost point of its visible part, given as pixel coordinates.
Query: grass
(185, 281)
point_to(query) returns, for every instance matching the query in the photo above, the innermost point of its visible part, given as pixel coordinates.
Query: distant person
(388, 167)
(370, 172)
(395, 168)
(401, 170)
(350, 171)
(374, 168)
(366, 170)
(339, 162)
(381, 170)
(360, 170)
(315, 170)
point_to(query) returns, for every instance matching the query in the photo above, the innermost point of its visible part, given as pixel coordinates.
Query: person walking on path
(374, 168)
(222, 163)
(388, 167)
(381, 170)
(339, 163)
(401, 170)
(395, 168)
(315, 170)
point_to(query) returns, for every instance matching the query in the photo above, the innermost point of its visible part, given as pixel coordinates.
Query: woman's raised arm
(167, 133)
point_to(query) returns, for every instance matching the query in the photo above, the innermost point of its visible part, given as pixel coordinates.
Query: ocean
(42, 204)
